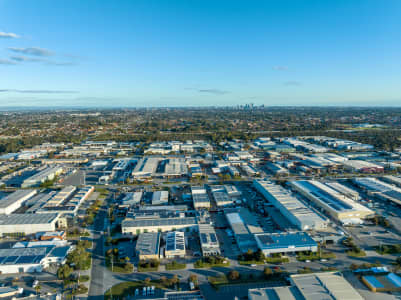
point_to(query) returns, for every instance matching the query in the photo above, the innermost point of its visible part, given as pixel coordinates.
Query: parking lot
(228, 245)
(371, 236)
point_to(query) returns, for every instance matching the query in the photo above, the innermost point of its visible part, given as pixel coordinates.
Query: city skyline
(199, 53)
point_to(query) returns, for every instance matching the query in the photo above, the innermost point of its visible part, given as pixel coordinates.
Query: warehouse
(290, 207)
(175, 167)
(335, 204)
(250, 170)
(372, 185)
(392, 180)
(30, 260)
(175, 244)
(362, 166)
(344, 190)
(200, 197)
(383, 283)
(148, 245)
(44, 175)
(287, 242)
(61, 196)
(244, 226)
(220, 196)
(24, 224)
(131, 199)
(208, 239)
(13, 201)
(146, 167)
(69, 206)
(137, 226)
(160, 198)
(313, 286)
(38, 201)
(276, 169)
(379, 189)
(232, 191)
(233, 171)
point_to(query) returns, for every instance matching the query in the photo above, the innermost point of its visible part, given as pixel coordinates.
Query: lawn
(148, 269)
(250, 262)
(223, 280)
(388, 249)
(208, 265)
(275, 260)
(315, 256)
(124, 289)
(118, 267)
(175, 266)
(352, 253)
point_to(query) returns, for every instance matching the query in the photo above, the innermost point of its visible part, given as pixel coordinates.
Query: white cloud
(8, 35)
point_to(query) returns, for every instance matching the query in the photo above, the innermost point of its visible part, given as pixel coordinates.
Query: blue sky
(198, 53)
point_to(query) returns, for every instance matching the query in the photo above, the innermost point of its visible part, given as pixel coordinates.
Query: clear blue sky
(175, 53)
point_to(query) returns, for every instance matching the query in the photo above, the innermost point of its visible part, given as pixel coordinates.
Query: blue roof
(285, 240)
(60, 251)
(395, 279)
(372, 281)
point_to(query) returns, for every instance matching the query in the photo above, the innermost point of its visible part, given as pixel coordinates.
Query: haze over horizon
(200, 53)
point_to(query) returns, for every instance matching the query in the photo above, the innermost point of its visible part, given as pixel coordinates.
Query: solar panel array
(23, 255)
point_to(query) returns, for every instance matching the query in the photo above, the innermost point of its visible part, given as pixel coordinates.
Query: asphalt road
(98, 263)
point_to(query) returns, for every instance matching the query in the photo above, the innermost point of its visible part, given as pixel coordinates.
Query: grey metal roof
(330, 286)
(15, 196)
(159, 222)
(148, 243)
(18, 219)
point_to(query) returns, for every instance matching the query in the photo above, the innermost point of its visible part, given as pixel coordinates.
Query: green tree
(64, 272)
(233, 275)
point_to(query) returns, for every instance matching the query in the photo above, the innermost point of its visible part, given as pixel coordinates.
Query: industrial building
(389, 282)
(392, 180)
(344, 190)
(175, 244)
(131, 199)
(290, 207)
(362, 166)
(304, 146)
(123, 164)
(221, 196)
(276, 169)
(379, 189)
(200, 197)
(13, 201)
(30, 260)
(232, 191)
(250, 170)
(160, 198)
(287, 242)
(137, 226)
(10, 292)
(146, 167)
(175, 167)
(68, 202)
(313, 286)
(24, 224)
(233, 171)
(44, 175)
(208, 240)
(61, 196)
(341, 144)
(244, 225)
(148, 245)
(337, 205)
